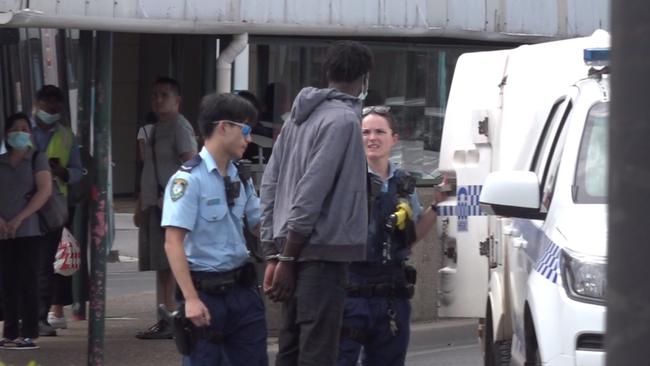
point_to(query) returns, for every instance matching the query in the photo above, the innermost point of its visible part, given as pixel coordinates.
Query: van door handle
(510, 231)
(519, 243)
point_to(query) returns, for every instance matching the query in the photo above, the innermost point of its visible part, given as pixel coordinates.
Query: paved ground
(434, 344)
(130, 299)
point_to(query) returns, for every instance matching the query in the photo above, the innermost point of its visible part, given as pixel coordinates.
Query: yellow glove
(404, 212)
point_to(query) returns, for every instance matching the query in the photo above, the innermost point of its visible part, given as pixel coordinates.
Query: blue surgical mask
(19, 140)
(47, 118)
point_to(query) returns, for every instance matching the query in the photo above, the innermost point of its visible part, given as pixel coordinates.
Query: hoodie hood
(311, 98)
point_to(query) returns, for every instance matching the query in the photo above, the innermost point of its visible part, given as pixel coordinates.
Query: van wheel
(496, 353)
(533, 357)
(536, 360)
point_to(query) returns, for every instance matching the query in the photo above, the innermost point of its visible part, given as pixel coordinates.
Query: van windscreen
(591, 173)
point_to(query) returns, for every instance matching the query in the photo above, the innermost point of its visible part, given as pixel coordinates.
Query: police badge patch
(178, 188)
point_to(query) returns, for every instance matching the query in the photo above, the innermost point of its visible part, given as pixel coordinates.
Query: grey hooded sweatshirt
(314, 186)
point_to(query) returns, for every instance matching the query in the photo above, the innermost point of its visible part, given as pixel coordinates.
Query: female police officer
(377, 308)
(206, 203)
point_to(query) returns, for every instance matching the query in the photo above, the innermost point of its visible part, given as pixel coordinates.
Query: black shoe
(160, 330)
(46, 330)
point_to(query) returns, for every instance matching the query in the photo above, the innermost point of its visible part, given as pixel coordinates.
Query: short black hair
(165, 80)
(251, 98)
(150, 118)
(50, 93)
(227, 106)
(347, 61)
(9, 123)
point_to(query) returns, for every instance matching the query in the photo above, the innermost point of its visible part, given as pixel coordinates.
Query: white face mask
(47, 118)
(365, 84)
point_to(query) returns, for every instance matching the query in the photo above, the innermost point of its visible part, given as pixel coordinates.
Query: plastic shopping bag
(68, 255)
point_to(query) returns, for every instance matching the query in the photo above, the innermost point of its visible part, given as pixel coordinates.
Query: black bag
(54, 213)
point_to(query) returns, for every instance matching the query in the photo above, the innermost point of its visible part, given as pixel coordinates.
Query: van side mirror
(512, 194)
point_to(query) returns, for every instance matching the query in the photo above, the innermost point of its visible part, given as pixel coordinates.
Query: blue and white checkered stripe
(548, 264)
(474, 206)
(470, 205)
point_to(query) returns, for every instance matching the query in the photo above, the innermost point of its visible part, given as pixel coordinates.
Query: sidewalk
(129, 309)
(126, 315)
(129, 314)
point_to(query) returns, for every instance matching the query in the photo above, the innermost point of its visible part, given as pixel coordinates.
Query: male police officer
(205, 206)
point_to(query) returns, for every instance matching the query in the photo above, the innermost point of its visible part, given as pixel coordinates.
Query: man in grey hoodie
(314, 208)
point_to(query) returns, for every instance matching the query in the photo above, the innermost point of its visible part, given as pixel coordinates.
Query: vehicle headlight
(585, 278)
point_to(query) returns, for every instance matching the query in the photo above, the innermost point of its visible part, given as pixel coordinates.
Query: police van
(524, 153)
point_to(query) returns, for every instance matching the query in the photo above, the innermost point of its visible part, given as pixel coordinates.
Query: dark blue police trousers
(239, 316)
(381, 347)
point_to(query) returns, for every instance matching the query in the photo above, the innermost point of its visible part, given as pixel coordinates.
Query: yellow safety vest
(59, 147)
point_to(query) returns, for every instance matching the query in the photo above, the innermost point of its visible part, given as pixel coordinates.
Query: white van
(522, 143)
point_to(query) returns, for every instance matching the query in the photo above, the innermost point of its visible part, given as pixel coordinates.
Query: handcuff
(280, 258)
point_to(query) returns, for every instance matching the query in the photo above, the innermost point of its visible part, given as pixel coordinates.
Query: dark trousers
(381, 347)
(311, 319)
(52, 288)
(239, 316)
(18, 269)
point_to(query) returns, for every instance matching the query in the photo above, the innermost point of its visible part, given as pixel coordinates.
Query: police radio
(232, 190)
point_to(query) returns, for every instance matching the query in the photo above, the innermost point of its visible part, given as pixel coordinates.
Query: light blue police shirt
(196, 201)
(414, 201)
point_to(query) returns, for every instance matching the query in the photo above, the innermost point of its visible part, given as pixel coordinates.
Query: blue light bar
(597, 56)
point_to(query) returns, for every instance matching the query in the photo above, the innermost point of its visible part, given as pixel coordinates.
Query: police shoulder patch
(179, 186)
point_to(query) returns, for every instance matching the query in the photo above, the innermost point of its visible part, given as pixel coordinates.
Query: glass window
(414, 80)
(591, 172)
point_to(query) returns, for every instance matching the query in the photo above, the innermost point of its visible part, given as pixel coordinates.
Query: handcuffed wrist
(282, 258)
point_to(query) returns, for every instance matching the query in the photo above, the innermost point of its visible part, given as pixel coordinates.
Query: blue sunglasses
(245, 129)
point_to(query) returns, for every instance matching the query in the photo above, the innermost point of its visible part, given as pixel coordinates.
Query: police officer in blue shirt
(377, 308)
(206, 208)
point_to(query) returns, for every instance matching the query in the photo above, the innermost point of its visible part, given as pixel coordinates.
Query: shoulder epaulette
(405, 182)
(244, 170)
(191, 164)
(399, 173)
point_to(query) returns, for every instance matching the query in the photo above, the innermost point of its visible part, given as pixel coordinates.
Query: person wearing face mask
(26, 186)
(377, 308)
(314, 215)
(59, 144)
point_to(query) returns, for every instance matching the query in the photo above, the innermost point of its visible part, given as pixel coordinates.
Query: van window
(552, 169)
(591, 171)
(549, 150)
(546, 140)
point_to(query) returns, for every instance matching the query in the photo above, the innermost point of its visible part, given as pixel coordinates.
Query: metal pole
(628, 292)
(80, 279)
(101, 209)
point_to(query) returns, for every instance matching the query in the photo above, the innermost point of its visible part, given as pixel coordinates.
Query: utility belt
(404, 291)
(219, 283)
(389, 290)
(403, 288)
(186, 334)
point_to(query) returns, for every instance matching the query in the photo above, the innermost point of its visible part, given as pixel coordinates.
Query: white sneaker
(57, 323)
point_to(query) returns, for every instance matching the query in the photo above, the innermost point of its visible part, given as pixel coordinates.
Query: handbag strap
(155, 159)
(33, 191)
